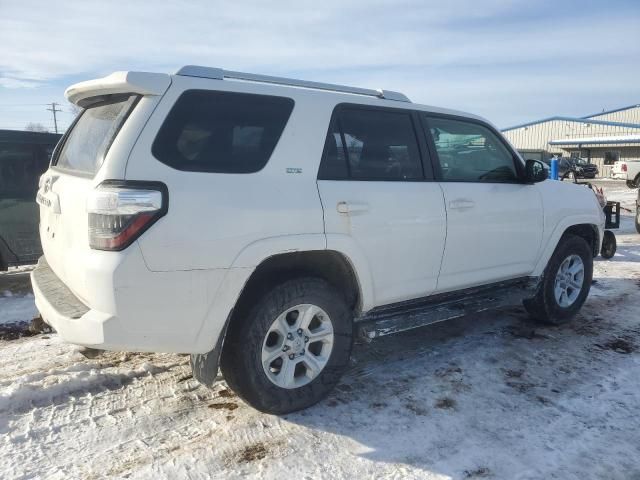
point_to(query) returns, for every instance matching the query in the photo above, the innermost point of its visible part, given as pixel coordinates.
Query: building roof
(607, 140)
(574, 119)
(604, 112)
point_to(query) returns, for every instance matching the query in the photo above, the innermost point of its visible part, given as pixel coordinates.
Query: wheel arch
(338, 249)
(584, 227)
(588, 232)
(244, 282)
(330, 265)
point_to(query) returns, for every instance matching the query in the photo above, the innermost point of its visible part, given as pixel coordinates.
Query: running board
(403, 316)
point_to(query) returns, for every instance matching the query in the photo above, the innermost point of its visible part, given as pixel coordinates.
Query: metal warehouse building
(602, 138)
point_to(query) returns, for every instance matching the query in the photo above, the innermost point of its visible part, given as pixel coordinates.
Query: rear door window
(376, 144)
(221, 132)
(87, 143)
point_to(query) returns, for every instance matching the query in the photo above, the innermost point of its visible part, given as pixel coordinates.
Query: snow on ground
(15, 309)
(619, 192)
(16, 300)
(491, 395)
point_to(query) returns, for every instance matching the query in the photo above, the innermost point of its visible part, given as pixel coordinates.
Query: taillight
(121, 211)
(623, 167)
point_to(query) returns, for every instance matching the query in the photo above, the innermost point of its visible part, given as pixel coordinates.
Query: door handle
(351, 207)
(461, 204)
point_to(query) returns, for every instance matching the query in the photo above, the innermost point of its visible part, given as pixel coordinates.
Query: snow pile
(20, 269)
(16, 300)
(16, 309)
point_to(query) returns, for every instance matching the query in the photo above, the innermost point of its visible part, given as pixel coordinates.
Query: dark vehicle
(574, 167)
(580, 167)
(24, 156)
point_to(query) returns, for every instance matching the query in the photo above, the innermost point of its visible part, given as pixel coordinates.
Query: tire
(638, 219)
(545, 306)
(631, 184)
(261, 384)
(609, 244)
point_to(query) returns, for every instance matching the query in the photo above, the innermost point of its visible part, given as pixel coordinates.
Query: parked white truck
(628, 170)
(260, 224)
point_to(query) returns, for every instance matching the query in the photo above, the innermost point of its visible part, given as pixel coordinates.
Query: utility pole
(53, 109)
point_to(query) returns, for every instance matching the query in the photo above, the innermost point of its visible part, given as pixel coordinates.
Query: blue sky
(510, 61)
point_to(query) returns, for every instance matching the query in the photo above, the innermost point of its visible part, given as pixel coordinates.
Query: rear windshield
(87, 143)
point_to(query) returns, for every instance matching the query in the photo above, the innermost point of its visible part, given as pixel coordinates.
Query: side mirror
(535, 171)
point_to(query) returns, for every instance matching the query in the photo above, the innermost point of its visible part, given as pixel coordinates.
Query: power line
(23, 104)
(53, 110)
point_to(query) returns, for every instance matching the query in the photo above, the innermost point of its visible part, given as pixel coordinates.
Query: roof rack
(220, 74)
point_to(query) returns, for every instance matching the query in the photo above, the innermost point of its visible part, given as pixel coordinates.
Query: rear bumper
(62, 310)
(619, 175)
(174, 312)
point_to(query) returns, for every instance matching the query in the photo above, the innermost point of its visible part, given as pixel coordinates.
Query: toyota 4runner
(260, 224)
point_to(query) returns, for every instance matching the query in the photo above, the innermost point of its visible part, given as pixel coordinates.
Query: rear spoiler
(142, 83)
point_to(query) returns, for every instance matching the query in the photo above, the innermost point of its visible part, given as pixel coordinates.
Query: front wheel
(291, 348)
(565, 283)
(631, 184)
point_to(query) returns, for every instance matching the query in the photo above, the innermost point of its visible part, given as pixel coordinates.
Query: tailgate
(617, 167)
(65, 187)
(63, 225)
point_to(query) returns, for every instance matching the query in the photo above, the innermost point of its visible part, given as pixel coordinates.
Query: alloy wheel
(569, 281)
(297, 346)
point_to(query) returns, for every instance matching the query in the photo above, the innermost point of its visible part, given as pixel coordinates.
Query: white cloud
(8, 82)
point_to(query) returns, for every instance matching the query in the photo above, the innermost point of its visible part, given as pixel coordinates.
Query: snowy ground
(488, 396)
(16, 303)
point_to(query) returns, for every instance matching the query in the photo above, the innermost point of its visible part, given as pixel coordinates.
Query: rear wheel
(565, 283)
(291, 348)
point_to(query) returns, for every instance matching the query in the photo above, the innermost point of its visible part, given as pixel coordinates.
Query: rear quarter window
(221, 132)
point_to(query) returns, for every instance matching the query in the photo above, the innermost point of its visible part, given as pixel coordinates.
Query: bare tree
(35, 127)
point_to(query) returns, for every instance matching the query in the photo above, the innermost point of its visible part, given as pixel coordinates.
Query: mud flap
(204, 366)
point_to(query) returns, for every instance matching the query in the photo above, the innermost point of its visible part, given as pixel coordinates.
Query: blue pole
(554, 168)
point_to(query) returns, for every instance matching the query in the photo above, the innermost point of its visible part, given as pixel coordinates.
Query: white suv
(262, 223)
